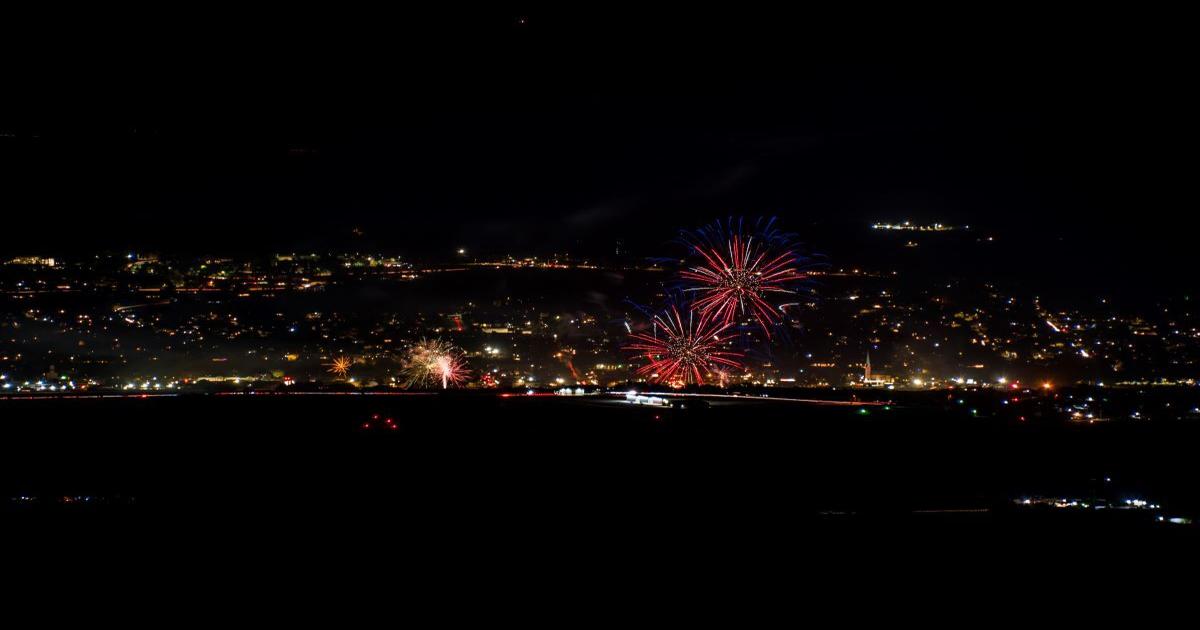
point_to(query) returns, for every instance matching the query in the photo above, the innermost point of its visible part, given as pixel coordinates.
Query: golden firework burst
(340, 366)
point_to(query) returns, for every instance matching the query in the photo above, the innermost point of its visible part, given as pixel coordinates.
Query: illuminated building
(875, 380)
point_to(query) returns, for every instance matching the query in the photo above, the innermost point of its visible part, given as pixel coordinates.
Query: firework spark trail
(571, 366)
(740, 280)
(684, 353)
(432, 361)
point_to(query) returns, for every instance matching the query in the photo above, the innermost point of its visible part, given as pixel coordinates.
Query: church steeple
(867, 374)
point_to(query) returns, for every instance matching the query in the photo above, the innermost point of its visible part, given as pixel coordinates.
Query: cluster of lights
(909, 226)
(376, 419)
(61, 385)
(638, 399)
(151, 384)
(1069, 503)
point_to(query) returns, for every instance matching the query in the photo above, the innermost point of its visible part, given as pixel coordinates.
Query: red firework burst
(739, 280)
(683, 352)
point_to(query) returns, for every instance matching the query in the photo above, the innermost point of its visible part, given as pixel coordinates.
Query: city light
(526, 343)
(908, 226)
(775, 295)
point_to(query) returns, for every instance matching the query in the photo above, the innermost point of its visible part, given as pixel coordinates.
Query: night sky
(1071, 135)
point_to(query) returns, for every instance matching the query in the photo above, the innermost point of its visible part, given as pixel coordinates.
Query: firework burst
(432, 361)
(737, 273)
(340, 366)
(683, 351)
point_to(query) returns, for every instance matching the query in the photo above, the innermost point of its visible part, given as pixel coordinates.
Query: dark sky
(238, 132)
